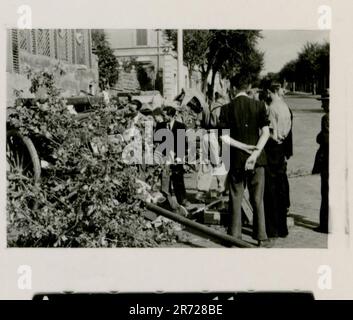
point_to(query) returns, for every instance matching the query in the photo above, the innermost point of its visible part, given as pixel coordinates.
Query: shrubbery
(85, 198)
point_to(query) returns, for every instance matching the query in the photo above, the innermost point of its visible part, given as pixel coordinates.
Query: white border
(194, 269)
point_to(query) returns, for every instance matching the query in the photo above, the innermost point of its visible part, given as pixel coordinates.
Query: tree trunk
(204, 77)
(190, 76)
(210, 94)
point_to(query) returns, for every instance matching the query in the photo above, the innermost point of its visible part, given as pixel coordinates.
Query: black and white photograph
(167, 138)
(181, 151)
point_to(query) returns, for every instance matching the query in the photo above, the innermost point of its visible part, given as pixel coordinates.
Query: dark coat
(244, 117)
(321, 163)
(176, 126)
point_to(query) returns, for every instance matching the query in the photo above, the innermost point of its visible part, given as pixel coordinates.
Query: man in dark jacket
(248, 123)
(176, 181)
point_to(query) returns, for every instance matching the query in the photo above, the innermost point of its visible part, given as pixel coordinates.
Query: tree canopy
(310, 68)
(227, 52)
(107, 62)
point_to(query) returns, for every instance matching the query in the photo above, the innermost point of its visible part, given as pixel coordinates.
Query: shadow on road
(302, 221)
(301, 95)
(309, 111)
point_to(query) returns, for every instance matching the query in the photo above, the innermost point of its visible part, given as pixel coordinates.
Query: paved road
(307, 115)
(304, 190)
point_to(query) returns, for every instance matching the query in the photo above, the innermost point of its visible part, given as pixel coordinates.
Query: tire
(21, 154)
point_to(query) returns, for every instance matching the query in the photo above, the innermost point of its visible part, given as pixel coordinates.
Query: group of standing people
(264, 124)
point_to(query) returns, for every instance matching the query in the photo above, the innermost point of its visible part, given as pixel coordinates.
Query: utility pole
(157, 71)
(158, 54)
(180, 73)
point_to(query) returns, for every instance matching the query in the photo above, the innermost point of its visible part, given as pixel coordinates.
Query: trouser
(284, 182)
(324, 200)
(276, 200)
(210, 146)
(165, 180)
(255, 181)
(177, 182)
(172, 177)
(211, 156)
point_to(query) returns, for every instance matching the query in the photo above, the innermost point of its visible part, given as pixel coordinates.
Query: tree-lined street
(69, 184)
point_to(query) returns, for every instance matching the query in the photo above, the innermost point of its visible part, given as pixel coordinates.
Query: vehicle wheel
(22, 156)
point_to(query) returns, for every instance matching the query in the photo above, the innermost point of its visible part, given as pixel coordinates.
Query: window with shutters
(24, 40)
(80, 39)
(89, 42)
(55, 45)
(15, 55)
(61, 44)
(73, 46)
(27, 40)
(43, 42)
(141, 37)
(34, 41)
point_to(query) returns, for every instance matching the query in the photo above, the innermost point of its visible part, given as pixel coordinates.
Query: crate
(212, 217)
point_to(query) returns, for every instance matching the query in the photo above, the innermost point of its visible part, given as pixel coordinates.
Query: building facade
(45, 49)
(151, 49)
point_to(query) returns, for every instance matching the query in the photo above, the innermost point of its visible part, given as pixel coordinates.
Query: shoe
(320, 229)
(187, 204)
(283, 235)
(265, 243)
(182, 211)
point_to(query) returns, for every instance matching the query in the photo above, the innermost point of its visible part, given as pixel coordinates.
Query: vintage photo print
(140, 138)
(177, 143)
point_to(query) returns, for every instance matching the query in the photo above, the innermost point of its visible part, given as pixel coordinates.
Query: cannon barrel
(198, 226)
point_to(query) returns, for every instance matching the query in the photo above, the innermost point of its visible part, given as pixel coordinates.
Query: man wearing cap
(321, 164)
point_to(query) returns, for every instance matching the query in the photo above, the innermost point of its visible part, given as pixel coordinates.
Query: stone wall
(127, 80)
(170, 80)
(76, 77)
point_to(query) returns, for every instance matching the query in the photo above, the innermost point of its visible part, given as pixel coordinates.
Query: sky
(281, 46)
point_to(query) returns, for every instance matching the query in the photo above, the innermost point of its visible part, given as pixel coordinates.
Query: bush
(85, 198)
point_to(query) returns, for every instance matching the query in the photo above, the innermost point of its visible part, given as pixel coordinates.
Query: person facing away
(278, 150)
(322, 163)
(248, 123)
